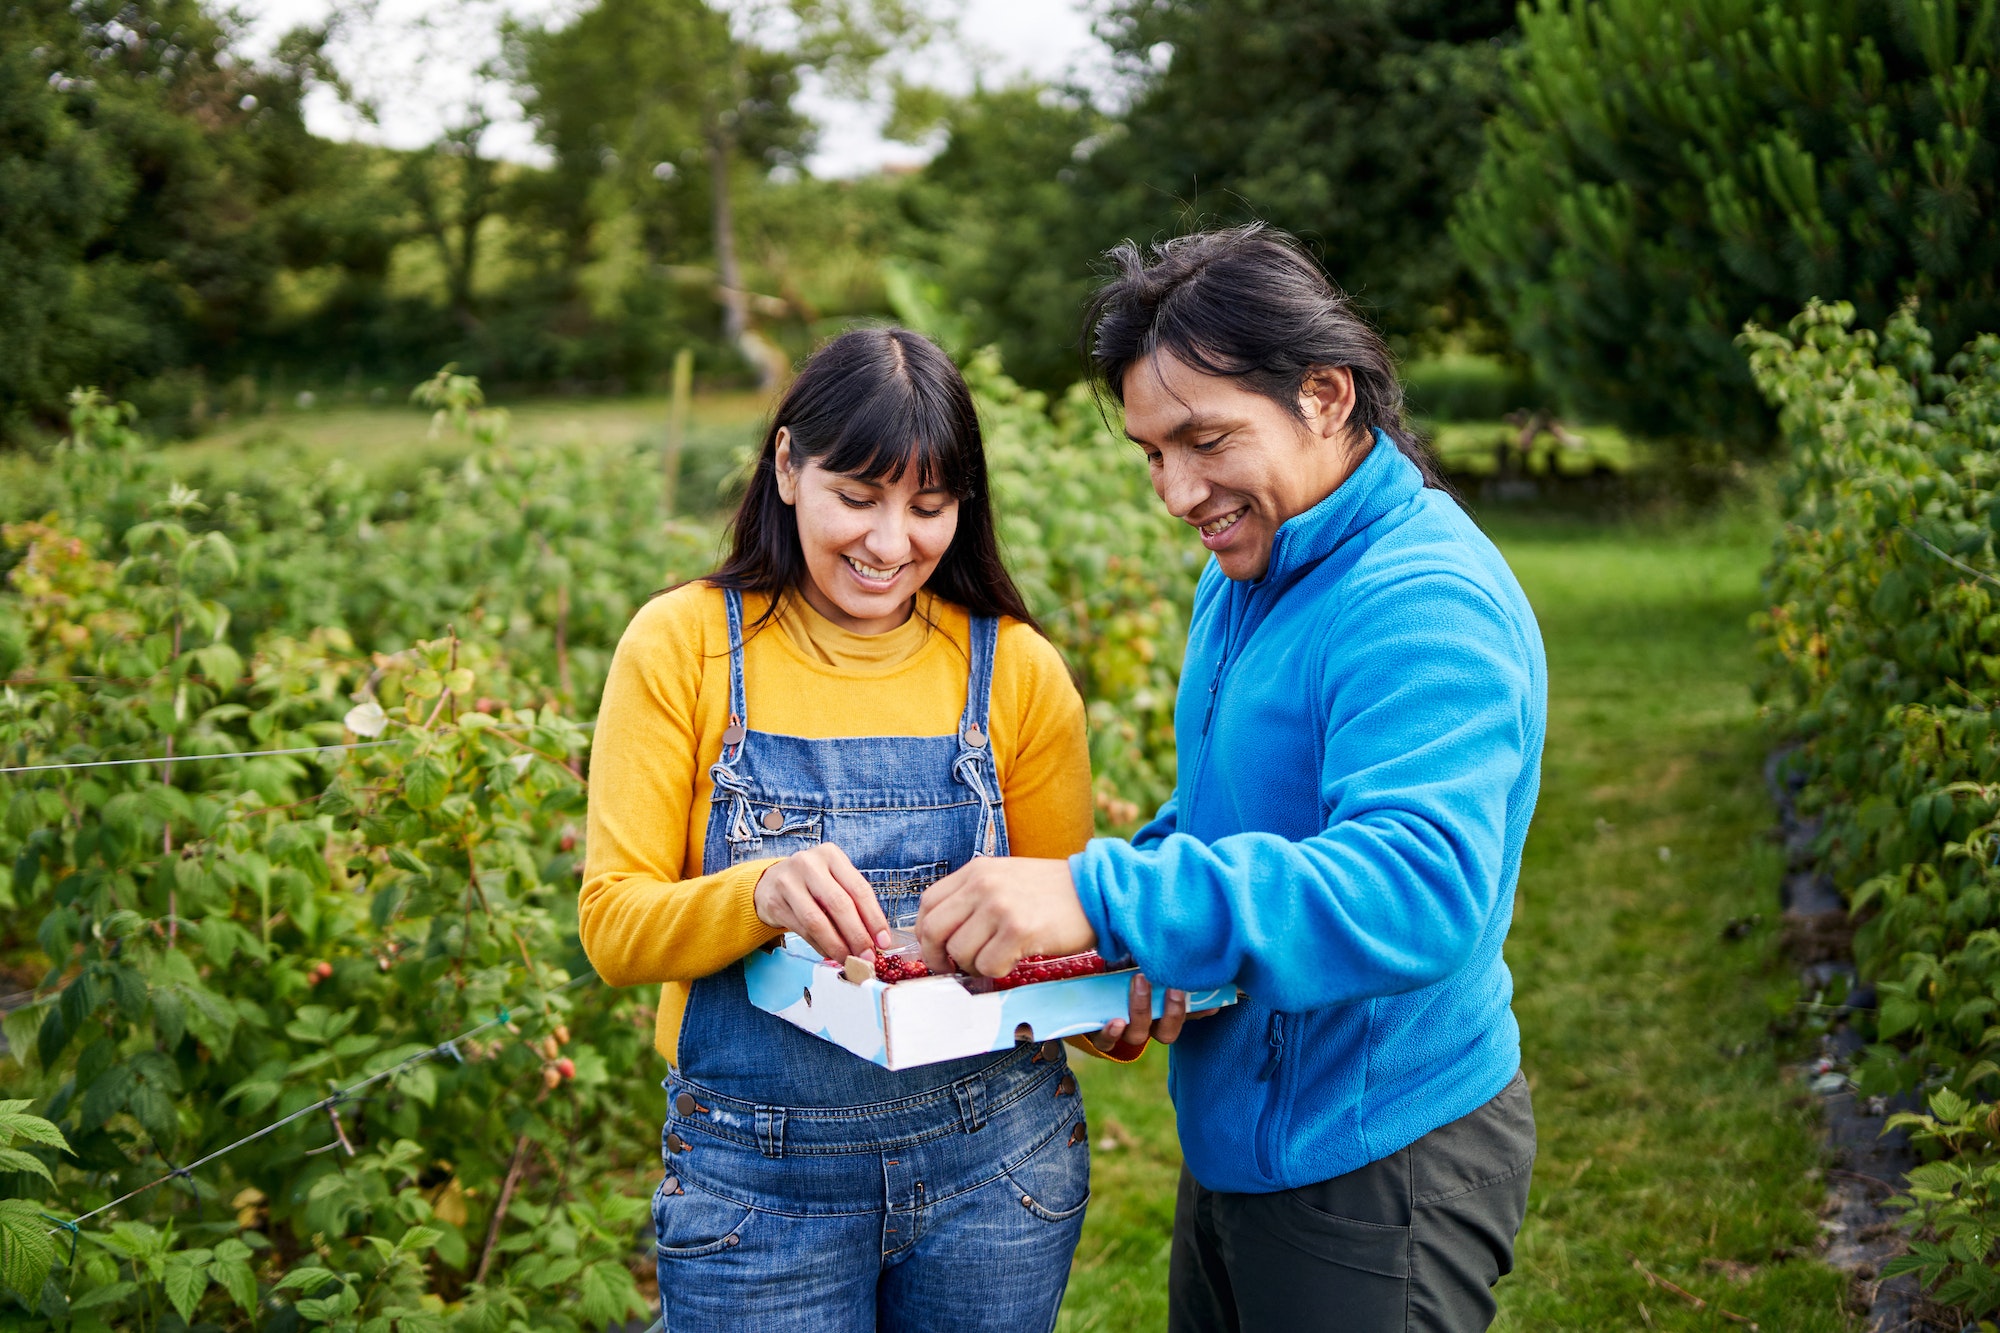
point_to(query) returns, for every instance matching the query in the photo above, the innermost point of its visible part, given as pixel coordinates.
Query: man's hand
(819, 894)
(984, 917)
(1140, 1024)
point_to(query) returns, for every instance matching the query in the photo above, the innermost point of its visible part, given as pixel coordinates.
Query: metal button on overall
(685, 1103)
(772, 820)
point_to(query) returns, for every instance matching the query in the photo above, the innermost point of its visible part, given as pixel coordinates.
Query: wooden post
(677, 425)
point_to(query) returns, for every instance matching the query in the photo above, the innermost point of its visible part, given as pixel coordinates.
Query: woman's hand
(988, 913)
(819, 894)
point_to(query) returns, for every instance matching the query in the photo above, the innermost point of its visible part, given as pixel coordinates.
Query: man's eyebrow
(1192, 424)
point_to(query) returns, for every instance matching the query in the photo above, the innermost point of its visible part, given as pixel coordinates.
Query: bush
(1663, 174)
(224, 941)
(1883, 650)
(228, 941)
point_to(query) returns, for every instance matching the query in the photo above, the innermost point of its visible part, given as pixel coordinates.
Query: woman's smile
(877, 578)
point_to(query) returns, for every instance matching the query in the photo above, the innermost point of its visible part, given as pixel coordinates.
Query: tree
(56, 192)
(660, 106)
(1353, 123)
(143, 173)
(1661, 175)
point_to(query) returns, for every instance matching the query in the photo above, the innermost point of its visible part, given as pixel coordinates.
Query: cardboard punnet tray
(936, 1018)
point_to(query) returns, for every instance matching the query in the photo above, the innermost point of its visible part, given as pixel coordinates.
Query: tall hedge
(1882, 642)
(1661, 174)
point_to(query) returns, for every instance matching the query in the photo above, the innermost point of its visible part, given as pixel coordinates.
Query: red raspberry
(1038, 968)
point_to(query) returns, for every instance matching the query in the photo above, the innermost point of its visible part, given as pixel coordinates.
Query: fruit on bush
(566, 1067)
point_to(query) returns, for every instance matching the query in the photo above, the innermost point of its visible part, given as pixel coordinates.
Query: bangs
(898, 427)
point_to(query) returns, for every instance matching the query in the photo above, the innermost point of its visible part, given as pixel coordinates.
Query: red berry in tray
(891, 968)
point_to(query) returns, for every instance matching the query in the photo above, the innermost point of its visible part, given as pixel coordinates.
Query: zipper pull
(1213, 686)
(1274, 1036)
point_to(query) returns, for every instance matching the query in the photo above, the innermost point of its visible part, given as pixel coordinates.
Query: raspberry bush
(1883, 650)
(213, 943)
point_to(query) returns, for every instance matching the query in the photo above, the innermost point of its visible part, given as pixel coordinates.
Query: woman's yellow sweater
(647, 912)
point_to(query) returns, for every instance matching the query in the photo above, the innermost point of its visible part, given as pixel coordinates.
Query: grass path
(1666, 1131)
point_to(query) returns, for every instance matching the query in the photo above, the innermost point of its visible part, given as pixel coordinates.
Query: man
(1360, 728)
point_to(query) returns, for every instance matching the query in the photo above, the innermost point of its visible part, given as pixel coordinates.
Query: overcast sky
(414, 59)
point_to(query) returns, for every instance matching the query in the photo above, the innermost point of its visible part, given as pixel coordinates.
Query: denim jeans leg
(1021, 1228)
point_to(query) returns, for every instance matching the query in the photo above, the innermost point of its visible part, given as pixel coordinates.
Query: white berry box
(933, 1018)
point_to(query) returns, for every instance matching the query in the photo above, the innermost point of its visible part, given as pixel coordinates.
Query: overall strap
(973, 728)
(739, 710)
(974, 763)
(723, 771)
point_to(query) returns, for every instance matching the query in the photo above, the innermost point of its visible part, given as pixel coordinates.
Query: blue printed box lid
(935, 1018)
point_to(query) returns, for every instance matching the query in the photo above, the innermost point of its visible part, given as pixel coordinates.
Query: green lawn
(1666, 1130)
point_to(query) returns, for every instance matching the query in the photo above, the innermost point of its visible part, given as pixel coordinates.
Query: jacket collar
(1384, 481)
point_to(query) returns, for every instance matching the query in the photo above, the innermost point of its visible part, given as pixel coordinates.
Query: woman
(856, 703)
(1360, 725)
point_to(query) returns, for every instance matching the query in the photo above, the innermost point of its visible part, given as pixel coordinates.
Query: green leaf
(1896, 1015)
(260, 1089)
(16, 1124)
(425, 783)
(419, 1083)
(307, 1279)
(13, 1159)
(320, 1025)
(418, 1239)
(26, 1250)
(235, 1276)
(117, 1291)
(185, 1281)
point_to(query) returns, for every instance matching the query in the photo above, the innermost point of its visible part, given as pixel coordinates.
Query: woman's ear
(1326, 400)
(788, 480)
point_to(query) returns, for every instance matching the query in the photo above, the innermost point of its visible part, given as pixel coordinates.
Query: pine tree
(1661, 174)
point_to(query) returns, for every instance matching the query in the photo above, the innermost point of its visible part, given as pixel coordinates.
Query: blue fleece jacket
(1360, 736)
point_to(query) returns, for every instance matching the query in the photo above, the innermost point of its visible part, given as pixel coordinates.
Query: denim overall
(807, 1188)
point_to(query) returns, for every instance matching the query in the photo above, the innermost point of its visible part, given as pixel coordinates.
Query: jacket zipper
(1269, 1118)
(1214, 690)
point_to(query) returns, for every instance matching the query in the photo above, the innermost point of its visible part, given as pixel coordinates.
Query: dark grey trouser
(1412, 1242)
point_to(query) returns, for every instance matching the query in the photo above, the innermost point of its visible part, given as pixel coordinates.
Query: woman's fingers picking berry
(874, 922)
(803, 893)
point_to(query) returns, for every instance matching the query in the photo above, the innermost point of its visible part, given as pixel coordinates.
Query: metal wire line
(1947, 556)
(191, 758)
(449, 1046)
(227, 754)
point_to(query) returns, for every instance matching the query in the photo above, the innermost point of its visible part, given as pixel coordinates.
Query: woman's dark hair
(871, 404)
(1249, 303)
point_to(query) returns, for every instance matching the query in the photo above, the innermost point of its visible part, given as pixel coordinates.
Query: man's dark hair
(1248, 303)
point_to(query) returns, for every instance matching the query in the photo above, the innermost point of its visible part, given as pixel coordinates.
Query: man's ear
(1326, 400)
(788, 479)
